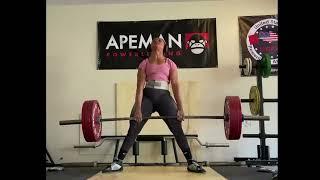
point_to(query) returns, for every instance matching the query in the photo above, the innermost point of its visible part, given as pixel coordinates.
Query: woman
(155, 73)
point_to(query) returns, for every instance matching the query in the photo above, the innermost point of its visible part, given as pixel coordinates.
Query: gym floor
(229, 172)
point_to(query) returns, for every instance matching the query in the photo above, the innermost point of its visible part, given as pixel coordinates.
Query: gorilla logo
(197, 44)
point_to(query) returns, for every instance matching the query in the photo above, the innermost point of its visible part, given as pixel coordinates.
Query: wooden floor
(158, 173)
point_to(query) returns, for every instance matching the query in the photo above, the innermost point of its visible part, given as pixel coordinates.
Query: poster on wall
(192, 43)
(258, 36)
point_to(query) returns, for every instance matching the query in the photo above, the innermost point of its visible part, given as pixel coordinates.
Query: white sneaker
(116, 165)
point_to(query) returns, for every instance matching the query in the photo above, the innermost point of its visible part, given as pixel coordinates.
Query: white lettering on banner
(273, 21)
(141, 42)
(178, 42)
(262, 23)
(131, 40)
(160, 36)
(112, 42)
(123, 39)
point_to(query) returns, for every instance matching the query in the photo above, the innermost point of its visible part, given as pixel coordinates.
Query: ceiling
(57, 2)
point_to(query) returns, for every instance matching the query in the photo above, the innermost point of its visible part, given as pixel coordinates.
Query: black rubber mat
(242, 173)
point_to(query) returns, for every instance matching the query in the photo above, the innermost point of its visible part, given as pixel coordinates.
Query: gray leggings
(156, 100)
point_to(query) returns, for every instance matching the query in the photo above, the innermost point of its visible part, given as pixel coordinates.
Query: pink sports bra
(160, 72)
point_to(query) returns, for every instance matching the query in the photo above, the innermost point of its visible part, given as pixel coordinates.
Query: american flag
(271, 36)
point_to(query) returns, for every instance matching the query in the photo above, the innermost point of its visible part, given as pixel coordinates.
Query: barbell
(265, 66)
(91, 119)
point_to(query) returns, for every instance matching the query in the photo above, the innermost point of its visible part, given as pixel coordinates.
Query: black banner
(192, 43)
(259, 35)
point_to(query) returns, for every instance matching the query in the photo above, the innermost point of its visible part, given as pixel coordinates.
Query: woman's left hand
(180, 115)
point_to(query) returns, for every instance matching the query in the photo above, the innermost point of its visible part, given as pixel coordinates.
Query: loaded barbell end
(275, 66)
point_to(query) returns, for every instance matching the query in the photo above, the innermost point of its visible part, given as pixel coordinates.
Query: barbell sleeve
(275, 66)
(69, 122)
(248, 118)
(256, 118)
(264, 100)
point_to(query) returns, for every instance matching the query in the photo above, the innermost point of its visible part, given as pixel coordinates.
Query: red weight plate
(91, 124)
(232, 117)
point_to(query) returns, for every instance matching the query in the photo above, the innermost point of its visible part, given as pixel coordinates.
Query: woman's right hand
(138, 115)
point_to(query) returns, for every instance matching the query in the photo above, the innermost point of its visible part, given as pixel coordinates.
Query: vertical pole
(164, 151)
(261, 113)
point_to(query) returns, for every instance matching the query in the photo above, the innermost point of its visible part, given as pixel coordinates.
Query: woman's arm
(139, 91)
(176, 88)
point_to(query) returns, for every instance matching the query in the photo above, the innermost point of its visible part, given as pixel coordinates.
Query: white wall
(71, 76)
